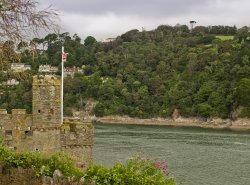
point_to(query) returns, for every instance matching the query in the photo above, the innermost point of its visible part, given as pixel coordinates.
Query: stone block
(18, 111)
(3, 111)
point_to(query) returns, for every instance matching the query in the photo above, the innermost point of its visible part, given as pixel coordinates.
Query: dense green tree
(243, 33)
(243, 92)
(89, 41)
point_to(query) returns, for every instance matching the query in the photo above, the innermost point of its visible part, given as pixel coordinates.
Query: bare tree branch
(19, 19)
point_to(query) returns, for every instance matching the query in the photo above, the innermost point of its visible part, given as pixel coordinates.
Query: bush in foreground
(135, 171)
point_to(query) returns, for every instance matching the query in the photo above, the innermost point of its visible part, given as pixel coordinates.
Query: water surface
(195, 156)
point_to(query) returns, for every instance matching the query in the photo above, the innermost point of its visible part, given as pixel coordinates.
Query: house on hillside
(20, 67)
(47, 68)
(11, 82)
(108, 40)
(70, 72)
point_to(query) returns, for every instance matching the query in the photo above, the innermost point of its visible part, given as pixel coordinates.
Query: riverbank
(242, 124)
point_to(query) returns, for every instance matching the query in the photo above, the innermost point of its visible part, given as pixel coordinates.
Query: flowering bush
(136, 171)
(162, 166)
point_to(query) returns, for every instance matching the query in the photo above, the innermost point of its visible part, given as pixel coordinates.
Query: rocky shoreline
(242, 124)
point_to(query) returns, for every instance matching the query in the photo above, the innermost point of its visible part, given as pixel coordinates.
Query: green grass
(225, 37)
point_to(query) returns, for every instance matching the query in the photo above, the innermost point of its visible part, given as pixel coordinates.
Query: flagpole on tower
(63, 59)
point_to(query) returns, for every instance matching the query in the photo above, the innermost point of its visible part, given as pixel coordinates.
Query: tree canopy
(151, 73)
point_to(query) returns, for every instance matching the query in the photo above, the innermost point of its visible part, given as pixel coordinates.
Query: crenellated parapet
(46, 80)
(17, 119)
(14, 127)
(77, 133)
(18, 111)
(3, 111)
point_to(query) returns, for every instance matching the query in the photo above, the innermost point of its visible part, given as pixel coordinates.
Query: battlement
(18, 111)
(3, 111)
(76, 133)
(13, 112)
(18, 120)
(46, 80)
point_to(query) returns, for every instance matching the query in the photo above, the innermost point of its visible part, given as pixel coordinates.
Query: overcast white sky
(110, 18)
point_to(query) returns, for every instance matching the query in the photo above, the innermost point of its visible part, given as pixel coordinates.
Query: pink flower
(162, 166)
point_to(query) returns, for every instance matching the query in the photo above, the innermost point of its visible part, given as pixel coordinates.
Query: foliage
(150, 73)
(136, 171)
(245, 112)
(16, 96)
(36, 161)
(204, 110)
(243, 92)
(89, 41)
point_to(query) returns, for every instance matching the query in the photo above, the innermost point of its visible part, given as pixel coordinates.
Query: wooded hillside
(145, 73)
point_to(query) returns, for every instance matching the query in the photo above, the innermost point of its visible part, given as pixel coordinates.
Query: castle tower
(46, 104)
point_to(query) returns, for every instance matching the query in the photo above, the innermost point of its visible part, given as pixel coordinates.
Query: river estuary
(195, 156)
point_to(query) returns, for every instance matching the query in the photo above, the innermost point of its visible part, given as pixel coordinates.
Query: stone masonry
(42, 131)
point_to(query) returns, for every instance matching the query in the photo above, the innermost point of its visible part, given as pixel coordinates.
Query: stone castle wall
(77, 141)
(15, 128)
(46, 101)
(20, 176)
(42, 131)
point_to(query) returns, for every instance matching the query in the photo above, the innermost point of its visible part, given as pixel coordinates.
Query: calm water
(195, 156)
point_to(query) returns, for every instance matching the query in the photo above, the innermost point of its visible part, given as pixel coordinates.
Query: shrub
(36, 161)
(135, 171)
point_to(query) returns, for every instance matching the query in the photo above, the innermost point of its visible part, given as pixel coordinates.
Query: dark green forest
(201, 72)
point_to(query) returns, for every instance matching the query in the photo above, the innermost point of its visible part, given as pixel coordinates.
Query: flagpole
(62, 86)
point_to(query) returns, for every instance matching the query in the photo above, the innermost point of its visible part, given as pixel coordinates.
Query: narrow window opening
(72, 128)
(39, 111)
(8, 132)
(28, 133)
(51, 111)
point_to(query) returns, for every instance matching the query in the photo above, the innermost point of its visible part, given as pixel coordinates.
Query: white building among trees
(20, 67)
(48, 68)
